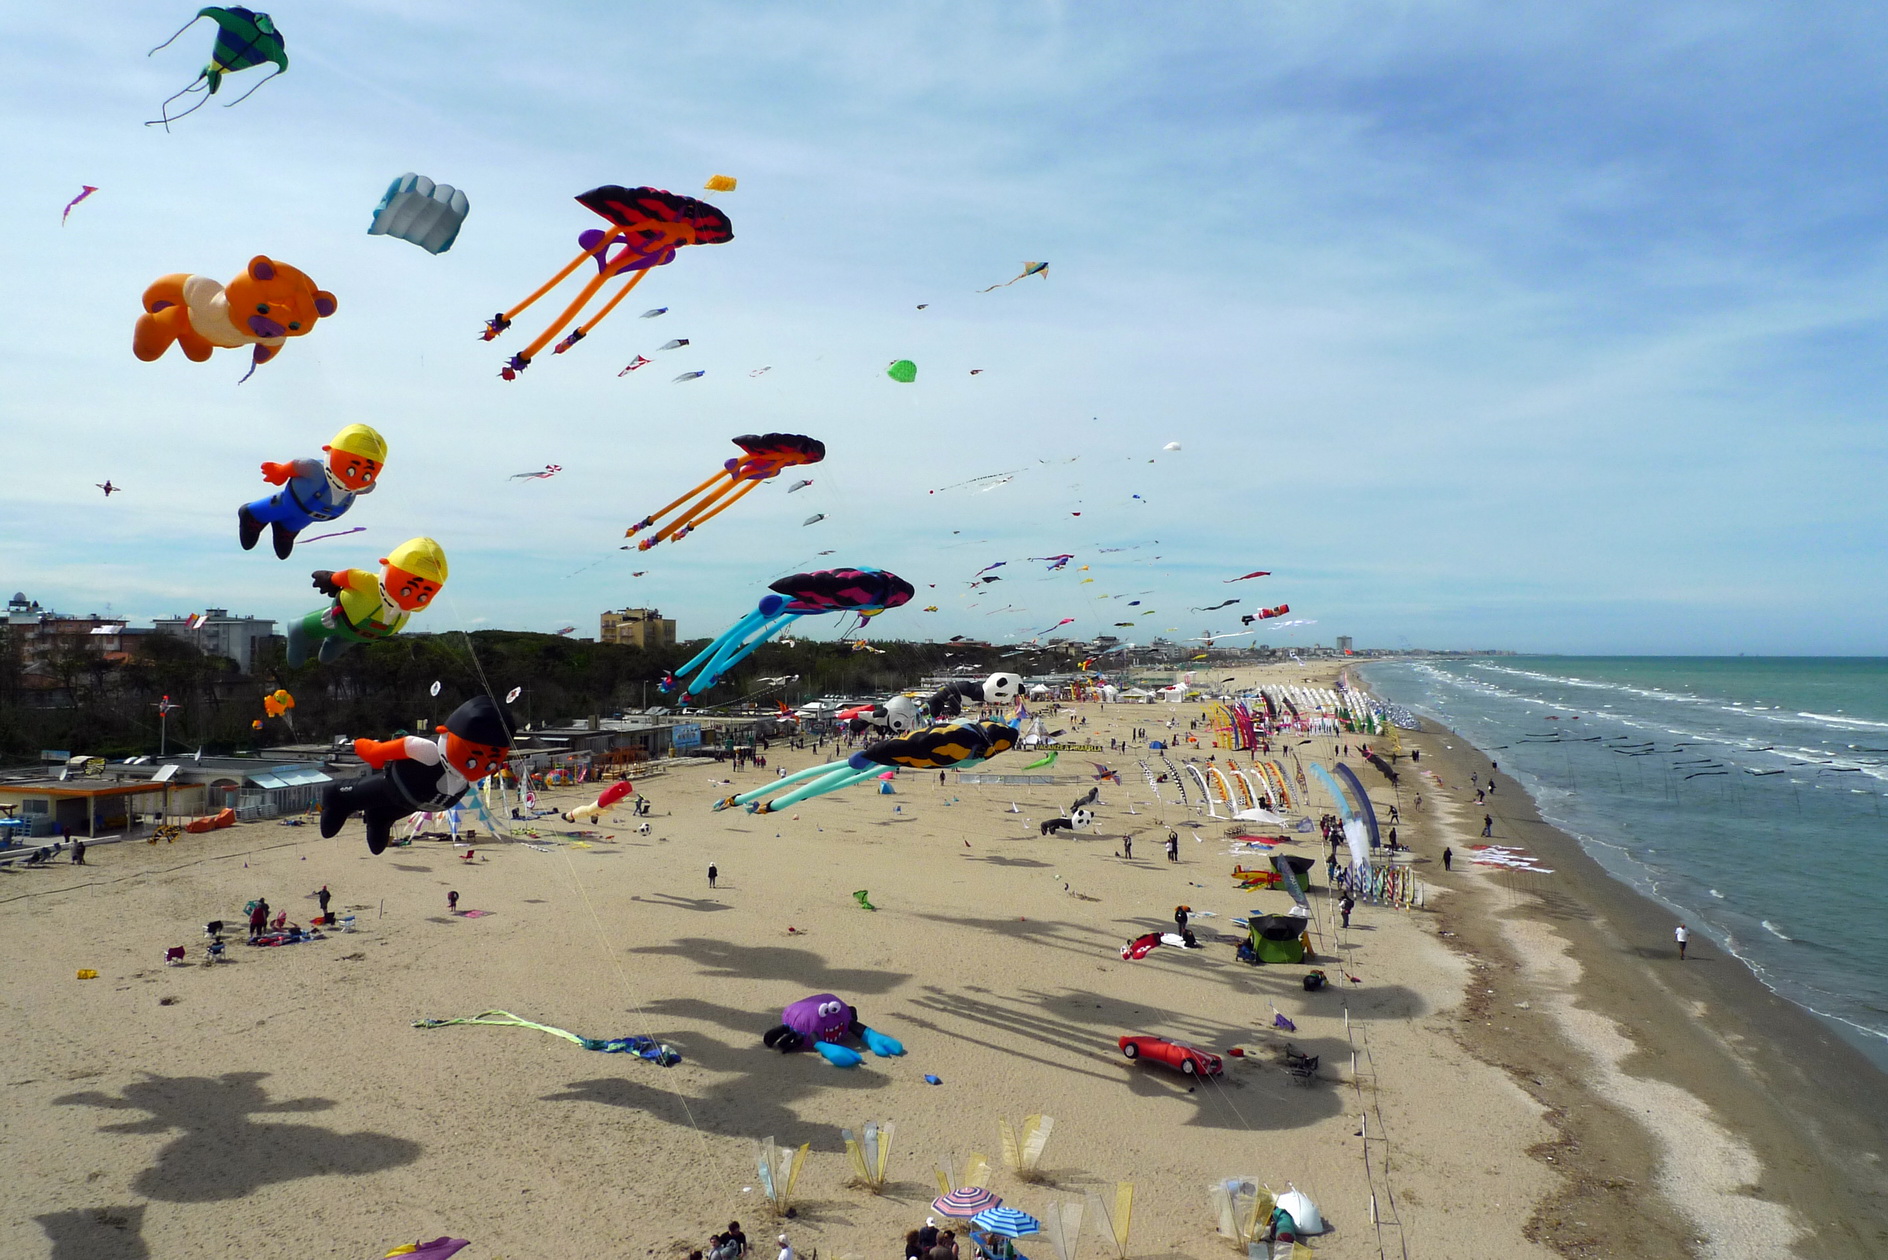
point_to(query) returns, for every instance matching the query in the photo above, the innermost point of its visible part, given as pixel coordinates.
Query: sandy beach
(1513, 1074)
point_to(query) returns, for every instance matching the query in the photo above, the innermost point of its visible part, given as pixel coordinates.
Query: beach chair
(214, 954)
(347, 922)
(174, 956)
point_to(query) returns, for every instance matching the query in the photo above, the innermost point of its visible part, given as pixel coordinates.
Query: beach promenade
(1517, 1070)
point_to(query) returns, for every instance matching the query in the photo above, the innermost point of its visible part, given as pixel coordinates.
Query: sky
(1483, 325)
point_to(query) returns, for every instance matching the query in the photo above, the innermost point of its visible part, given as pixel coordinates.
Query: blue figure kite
(313, 490)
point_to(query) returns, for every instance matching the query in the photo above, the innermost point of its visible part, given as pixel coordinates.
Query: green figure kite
(243, 39)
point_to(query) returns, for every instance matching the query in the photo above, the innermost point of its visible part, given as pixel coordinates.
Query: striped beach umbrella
(964, 1202)
(1006, 1221)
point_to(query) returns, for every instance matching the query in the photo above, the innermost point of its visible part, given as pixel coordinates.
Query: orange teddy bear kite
(263, 307)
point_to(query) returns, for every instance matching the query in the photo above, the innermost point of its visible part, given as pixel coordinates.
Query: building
(216, 633)
(1343, 643)
(51, 644)
(638, 627)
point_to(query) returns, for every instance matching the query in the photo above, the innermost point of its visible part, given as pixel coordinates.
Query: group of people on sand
(931, 1243)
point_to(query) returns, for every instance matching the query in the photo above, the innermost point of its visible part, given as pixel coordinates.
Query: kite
(760, 371)
(595, 809)
(864, 898)
(567, 630)
(958, 746)
(441, 1248)
(85, 190)
(511, 697)
(109, 488)
(1042, 762)
(313, 489)
(416, 773)
(635, 363)
(1029, 269)
(799, 485)
(545, 474)
(1066, 621)
(989, 481)
(648, 226)
(1171, 446)
(688, 376)
(814, 519)
(995, 565)
(369, 606)
(904, 371)
(652, 313)
(1265, 614)
(1119, 624)
(1055, 562)
(867, 592)
(1255, 573)
(243, 39)
(719, 183)
(1226, 603)
(642, 1047)
(822, 1021)
(339, 533)
(768, 455)
(273, 302)
(930, 608)
(416, 210)
(948, 701)
(676, 344)
(277, 705)
(976, 371)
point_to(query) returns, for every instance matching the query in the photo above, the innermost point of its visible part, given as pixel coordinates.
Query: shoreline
(1769, 1122)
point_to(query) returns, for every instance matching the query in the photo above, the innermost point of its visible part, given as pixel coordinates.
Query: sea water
(1747, 794)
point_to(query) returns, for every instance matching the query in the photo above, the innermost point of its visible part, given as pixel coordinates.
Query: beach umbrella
(965, 1201)
(1006, 1221)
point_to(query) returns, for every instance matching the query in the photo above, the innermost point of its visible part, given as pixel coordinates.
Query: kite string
(596, 920)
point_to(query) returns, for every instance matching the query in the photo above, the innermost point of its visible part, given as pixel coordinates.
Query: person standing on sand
(78, 853)
(1180, 914)
(1488, 825)
(1448, 857)
(786, 1249)
(714, 873)
(1683, 937)
(1173, 846)
(1127, 847)
(1345, 906)
(323, 897)
(258, 918)
(452, 903)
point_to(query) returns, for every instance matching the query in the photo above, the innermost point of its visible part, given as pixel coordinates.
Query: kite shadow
(224, 1153)
(802, 967)
(756, 1093)
(104, 1233)
(1077, 1031)
(707, 905)
(999, 860)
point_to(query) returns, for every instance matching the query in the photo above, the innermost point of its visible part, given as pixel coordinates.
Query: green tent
(1278, 938)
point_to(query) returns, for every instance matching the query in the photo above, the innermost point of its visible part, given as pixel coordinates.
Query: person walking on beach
(1448, 858)
(1180, 918)
(714, 873)
(1488, 825)
(78, 853)
(1683, 936)
(1345, 906)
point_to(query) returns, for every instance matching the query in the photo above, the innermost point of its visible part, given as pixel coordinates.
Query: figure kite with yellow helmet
(369, 605)
(313, 489)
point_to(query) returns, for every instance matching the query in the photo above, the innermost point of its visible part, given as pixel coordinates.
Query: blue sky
(1539, 326)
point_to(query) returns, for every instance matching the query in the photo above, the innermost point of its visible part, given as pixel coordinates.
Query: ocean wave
(1845, 723)
(1776, 931)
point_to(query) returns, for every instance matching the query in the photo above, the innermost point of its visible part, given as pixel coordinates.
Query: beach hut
(1277, 938)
